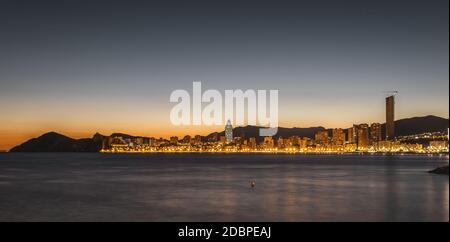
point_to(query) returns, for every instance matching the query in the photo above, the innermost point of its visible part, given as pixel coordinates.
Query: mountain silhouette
(419, 125)
(54, 142)
(408, 126)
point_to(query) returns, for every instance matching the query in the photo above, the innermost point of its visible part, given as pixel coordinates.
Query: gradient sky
(78, 67)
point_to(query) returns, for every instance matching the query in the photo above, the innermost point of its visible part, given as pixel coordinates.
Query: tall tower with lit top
(229, 132)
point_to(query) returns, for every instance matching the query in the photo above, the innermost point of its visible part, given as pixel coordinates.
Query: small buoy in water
(252, 184)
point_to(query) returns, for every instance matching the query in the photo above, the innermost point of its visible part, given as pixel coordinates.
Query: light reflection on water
(214, 187)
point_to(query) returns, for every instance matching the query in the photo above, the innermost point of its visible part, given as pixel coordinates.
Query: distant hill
(408, 126)
(418, 125)
(54, 142)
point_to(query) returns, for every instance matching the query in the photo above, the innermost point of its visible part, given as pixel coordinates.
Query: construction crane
(390, 93)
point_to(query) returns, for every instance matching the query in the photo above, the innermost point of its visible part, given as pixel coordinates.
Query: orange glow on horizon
(15, 133)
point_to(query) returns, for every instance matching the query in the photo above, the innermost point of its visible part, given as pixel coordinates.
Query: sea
(198, 187)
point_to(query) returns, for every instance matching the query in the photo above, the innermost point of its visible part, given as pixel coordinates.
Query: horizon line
(294, 127)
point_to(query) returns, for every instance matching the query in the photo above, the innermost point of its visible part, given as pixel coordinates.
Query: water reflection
(152, 187)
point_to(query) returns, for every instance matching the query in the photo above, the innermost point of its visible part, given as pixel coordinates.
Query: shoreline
(274, 152)
(238, 152)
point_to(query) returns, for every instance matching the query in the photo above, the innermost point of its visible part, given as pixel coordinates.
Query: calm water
(205, 187)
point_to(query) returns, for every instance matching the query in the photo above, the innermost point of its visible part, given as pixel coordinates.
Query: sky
(80, 67)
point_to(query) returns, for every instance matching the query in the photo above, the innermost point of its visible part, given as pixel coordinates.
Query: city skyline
(204, 131)
(358, 138)
(208, 129)
(83, 67)
(362, 137)
(429, 137)
(362, 134)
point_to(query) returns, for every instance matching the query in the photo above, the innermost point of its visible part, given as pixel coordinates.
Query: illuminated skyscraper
(321, 137)
(375, 132)
(229, 132)
(353, 134)
(390, 125)
(338, 137)
(363, 136)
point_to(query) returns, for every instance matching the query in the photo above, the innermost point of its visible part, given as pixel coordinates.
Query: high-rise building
(229, 132)
(375, 132)
(390, 124)
(338, 137)
(268, 142)
(292, 141)
(151, 141)
(106, 144)
(252, 143)
(304, 142)
(321, 137)
(350, 135)
(353, 134)
(363, 136)
(241, 138)
(280, 142)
